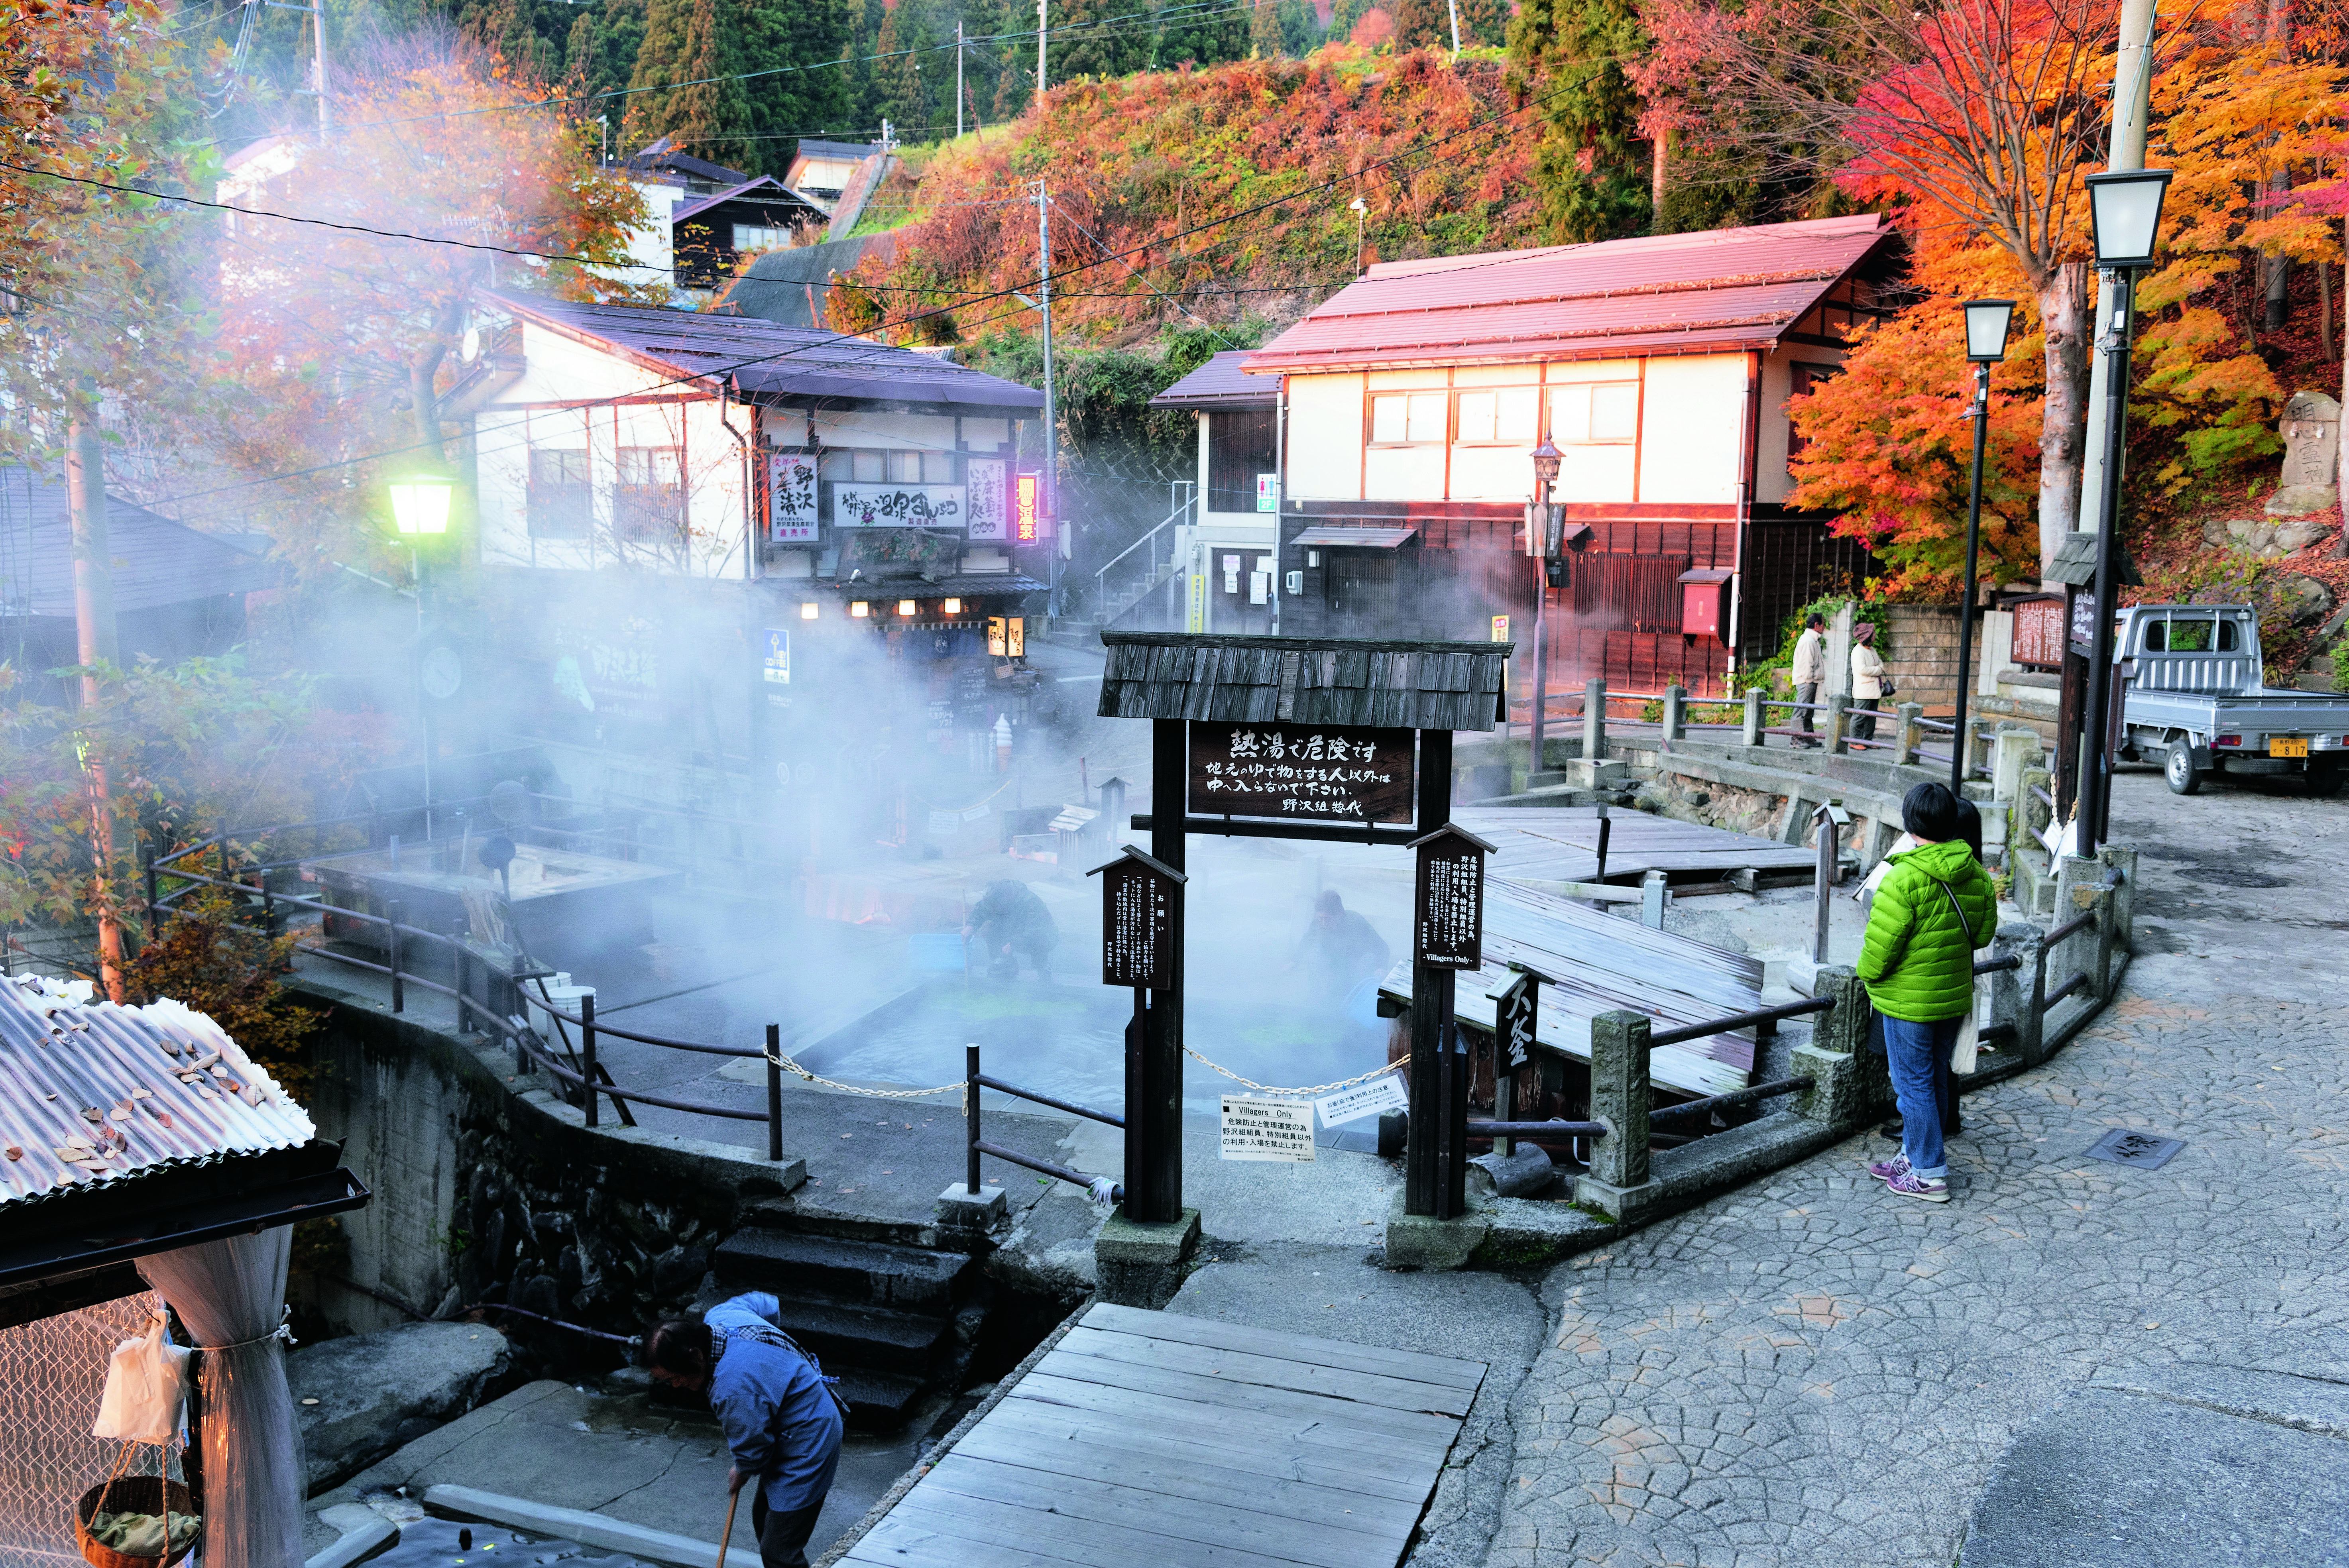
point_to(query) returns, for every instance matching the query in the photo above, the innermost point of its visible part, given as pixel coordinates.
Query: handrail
(1740, 1020)
(1480, 1128)
(1189, 503)
(994, 1083)
(1992, 965)
(2071, 927)
(1735, 1097)
(975, 1145)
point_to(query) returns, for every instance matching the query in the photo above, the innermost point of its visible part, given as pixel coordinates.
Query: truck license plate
(2280, 745)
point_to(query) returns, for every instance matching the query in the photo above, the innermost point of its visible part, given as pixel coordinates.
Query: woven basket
(134, 1494)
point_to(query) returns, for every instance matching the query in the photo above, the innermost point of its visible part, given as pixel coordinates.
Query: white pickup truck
(2197, 703)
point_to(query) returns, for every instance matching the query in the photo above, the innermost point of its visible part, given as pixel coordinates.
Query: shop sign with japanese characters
(1301, 772)
(1141, 912)
(989, 501)
(792, 499)
(897, 506)
(1448, 920)
(1267, 1129)
(1520, 1005)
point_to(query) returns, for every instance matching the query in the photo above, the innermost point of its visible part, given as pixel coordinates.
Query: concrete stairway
(891, 1322)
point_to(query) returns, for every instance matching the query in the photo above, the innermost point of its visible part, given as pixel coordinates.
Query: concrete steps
(894, 1324)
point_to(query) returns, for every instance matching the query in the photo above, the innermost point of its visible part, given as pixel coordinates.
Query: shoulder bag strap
(1957, 909)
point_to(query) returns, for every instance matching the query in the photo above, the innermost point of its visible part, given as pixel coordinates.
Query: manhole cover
(2142, 1149)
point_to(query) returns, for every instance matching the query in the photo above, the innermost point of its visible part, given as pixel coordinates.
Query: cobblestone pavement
(1813, 1371)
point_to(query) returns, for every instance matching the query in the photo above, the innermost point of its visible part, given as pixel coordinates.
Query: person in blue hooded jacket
(780, 1417)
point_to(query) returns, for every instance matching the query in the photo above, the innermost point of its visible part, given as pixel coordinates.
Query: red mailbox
(1704, 604)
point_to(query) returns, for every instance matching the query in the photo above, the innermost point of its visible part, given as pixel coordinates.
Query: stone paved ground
(1810, 1371)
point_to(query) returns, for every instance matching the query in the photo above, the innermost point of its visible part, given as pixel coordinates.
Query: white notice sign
(1382, 1093)
(1267, 1129)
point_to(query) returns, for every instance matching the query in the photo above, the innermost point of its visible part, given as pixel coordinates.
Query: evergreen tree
(1593, 184)
(795, 103)
(1204, 37)
(1422, 24)
(903, 79)
(1301, 29)
(1484, 23)
(1264, 30)
(600, 57)
(1098, 38)
(1344, 15)
(693, 41)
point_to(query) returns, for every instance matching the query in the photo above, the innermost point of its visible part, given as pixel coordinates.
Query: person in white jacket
(1867, 680)
(1810, 670)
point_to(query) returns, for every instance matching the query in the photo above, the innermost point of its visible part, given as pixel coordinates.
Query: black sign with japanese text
(1141, 907)
(1302, 772)
(1448, 919)
(1519, 1005)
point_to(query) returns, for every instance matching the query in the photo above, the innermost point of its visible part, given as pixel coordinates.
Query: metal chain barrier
(1302, 1093)
(783, 1059)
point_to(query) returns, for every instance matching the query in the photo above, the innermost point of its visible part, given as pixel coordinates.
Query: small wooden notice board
(1448, 915)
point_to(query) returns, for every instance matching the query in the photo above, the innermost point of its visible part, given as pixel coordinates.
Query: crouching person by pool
(780, 1417)
(1933, 911)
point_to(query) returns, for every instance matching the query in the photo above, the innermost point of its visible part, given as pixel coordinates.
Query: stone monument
(2312, 456)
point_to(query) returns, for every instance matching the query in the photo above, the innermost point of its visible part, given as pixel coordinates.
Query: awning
(1356, 538)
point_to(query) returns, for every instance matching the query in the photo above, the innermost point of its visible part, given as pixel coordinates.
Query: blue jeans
(1923, 1087)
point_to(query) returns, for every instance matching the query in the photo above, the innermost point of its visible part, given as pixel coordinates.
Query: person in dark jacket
(1012, 922)
(782, 1421)
(1339, 950)
(1932, 913)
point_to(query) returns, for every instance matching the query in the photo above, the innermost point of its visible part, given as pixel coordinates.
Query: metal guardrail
(976, 1144)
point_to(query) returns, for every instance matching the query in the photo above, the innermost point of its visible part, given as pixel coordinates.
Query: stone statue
(2312, 456)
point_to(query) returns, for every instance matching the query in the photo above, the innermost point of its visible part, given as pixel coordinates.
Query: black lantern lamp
(2124, 210)
(1988, 324)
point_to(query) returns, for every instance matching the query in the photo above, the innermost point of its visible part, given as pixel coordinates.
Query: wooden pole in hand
(727, 1534)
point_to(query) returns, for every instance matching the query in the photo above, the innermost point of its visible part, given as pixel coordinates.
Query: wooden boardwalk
(1146, 1438)
(1560, 844)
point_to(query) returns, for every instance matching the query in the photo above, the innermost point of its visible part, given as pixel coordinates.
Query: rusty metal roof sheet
(1667, 293)
(771, 363)
(1302, 680)
(1220, 383)
(92, 1093)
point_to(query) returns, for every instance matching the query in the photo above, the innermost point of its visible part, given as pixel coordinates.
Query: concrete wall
(486, 1192)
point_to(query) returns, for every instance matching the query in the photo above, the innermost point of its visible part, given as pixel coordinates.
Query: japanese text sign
(792, 499)
(1448, 916)
(1303, 772)
(1380, 1094)
(2084, 622)
(1520, 1005)
(2039, 632)
(897, 506)
(1141, 920)
(776, 665)
(1027, 523)
(1267, 1129)
(988, 479)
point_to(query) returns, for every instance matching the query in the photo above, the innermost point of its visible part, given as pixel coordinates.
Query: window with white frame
(761, 237)
(1504, 416)
(1595, 413)
(561, 505)
(878, 466)
(648, 495)
(1407, 418)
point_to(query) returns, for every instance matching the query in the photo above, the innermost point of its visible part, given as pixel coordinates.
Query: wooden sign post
(1447, 935)
(1142, 946)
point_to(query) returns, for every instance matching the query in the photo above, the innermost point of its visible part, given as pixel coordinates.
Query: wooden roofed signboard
(1311, 681)
(1447, 921)
(1333, 773)
(1142, 914)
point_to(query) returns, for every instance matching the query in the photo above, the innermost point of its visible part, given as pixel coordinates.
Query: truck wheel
(2324, 780)
(2179, 770)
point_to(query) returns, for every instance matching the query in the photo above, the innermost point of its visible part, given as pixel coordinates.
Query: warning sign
(1364, 1098)
(1267, 1129)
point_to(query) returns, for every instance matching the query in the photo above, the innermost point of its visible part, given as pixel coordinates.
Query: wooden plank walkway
(1146, 1438)
(1560, 844)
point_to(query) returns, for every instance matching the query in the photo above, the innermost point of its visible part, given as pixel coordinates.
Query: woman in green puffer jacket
(1933, 911)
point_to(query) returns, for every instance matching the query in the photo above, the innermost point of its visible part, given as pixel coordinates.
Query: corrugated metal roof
(768, 361)
(1302, 680)
(93, 1093)
(157, 562)
(1722, 289)
(1220, 384)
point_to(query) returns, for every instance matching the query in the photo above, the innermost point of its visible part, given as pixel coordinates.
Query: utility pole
(958, 79)
(318, 23)
(1039, 104)
(2132, 87)
(1454, 6)
(2132, 92)
(1051, 407)
(95, 645)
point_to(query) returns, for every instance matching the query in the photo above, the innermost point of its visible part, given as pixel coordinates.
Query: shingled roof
(1303, 680)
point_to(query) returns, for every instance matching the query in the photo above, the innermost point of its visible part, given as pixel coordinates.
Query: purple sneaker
(1886, 1169)
(1909, 1184)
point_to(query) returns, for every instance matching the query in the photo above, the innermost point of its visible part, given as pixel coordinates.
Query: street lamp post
(1541, 543)
(1988, 322)
(419, 509)
(2124, 210)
